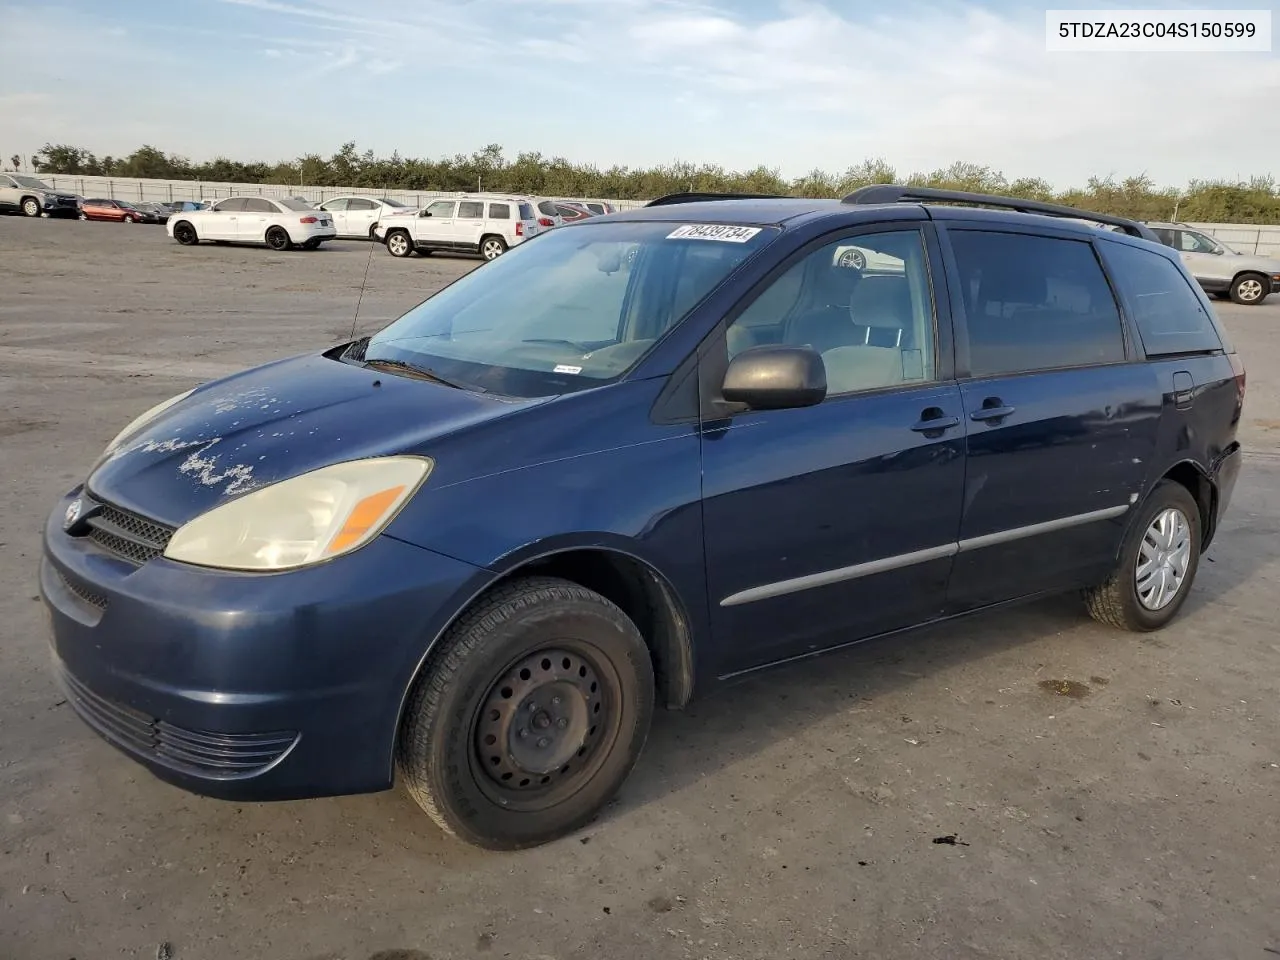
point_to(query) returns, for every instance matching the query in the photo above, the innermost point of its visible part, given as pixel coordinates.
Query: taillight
(519, 229)
(546, 222)
(309, 220)
(1237, 368)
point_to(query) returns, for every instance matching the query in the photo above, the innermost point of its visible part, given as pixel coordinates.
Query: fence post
(111, 189)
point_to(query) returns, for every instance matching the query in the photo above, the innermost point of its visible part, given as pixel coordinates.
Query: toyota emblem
(73, 514)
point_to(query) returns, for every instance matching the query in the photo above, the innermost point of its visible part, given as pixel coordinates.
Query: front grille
(128, 535)
(224, 756)
(66, 201)
(83, 593)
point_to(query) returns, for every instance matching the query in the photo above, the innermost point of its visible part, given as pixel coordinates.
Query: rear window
(289, 203)
(549, 208)
(526, 212)
(1170, 316)
(1035, 303)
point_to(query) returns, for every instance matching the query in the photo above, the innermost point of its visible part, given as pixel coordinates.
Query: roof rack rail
(699, 197)
(893, 193)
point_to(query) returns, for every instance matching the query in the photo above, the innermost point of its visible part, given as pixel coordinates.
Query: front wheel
(1157, 565)
(30, 207)
(84, 216)
(528, 715)
(491, 248)
(399, 243)
(278, 238)
(185, 234)
(1250, 289)
(128, 218)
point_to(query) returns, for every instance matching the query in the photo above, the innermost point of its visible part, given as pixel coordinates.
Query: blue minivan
(630, 460)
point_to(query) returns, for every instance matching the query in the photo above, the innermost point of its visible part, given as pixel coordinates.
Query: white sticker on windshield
(566, 368)
(713, 231)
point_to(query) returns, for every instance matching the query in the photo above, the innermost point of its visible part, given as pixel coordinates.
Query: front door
(827, 524)
(435, 224)
(1061, 414)
(338, 210)
(1204, 259)
(361, 214)
(223, 220)
(469, 226)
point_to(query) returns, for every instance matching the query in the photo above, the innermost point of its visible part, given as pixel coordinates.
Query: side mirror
(424, 213)
(776, 378)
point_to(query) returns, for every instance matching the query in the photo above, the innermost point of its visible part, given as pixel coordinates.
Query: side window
(869, 315)
(335, 206)
(1164, 235)
(472, 209)
(1169, 315)
(1034, 303)
(7, 181)
(360, 203)
(233, 205)
(499, 211)
(1195, 243)
(259, 205)
(441, 208)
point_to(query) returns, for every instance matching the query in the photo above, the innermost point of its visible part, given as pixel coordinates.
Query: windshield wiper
(422, 373)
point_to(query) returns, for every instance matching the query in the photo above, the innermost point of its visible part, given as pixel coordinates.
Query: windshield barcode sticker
(713, 231)
(566, 368)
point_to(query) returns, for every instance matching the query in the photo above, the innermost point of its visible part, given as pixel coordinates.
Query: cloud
(796, 84)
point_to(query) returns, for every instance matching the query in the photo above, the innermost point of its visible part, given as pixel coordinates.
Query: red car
(119, 210)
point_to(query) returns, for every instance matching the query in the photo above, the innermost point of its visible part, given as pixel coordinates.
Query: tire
(128, 218)
(399, 243)
(537, 647)
(31, 207)
(1250, 289)
(491, 247)
(1119, 602)
(311, 245)
(84, 216)
(278, 239)
(185, 234)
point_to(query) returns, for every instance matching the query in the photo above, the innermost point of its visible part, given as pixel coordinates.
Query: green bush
(1255, 201)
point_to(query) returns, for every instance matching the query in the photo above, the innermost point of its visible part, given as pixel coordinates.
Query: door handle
(992, 409)
(934, 420)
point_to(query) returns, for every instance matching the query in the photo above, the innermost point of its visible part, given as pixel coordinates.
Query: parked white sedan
(280, 224)
(355, 216)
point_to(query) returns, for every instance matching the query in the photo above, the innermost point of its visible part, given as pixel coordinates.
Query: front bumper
(248, 686)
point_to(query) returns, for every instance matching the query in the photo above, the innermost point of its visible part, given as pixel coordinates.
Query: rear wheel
(399, 243)
(1250, 289)
(491, 248)
(185, 234)
(1157, 565)
(278, 238)
(528, 715)
(30, 207)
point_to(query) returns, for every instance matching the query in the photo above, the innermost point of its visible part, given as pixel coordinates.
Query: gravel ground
(803, 813)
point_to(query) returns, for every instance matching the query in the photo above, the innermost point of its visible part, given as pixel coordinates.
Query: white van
(485, 224)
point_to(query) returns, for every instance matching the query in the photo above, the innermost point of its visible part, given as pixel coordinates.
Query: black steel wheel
(528, 716)
(185, 234)
(278, 238)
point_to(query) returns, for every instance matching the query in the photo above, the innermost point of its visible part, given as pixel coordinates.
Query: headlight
(304, 520)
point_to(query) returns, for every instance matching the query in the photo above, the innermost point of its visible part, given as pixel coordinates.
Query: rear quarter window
(1169, 314)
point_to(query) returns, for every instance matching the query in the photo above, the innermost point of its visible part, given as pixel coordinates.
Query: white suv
(488, 225)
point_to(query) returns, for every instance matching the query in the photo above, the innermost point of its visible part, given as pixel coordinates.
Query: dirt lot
(797, 815)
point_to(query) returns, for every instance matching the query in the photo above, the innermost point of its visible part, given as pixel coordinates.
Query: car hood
(278, 421)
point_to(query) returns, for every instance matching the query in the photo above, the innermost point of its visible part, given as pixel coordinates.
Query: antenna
(364, 282)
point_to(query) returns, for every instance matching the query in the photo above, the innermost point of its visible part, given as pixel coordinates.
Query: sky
(791, 84)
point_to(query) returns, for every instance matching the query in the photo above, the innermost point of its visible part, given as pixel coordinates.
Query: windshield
(571, 309)
(31, 182)
(291, 204)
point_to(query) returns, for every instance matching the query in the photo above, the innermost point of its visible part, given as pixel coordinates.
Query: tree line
(1256, 200)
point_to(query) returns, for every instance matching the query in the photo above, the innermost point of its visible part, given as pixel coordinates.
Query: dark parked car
(483, 544)
(182, 206)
